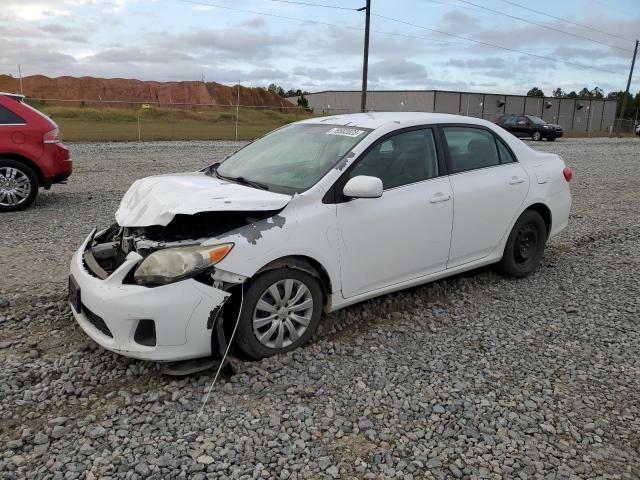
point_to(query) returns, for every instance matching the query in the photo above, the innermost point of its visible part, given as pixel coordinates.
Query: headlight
(171, 264)
(546, 126)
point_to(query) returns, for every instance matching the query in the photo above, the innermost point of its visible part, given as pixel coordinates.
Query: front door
(404, 234)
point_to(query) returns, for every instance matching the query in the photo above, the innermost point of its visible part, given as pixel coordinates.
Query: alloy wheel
(15, 187)
(283, 313)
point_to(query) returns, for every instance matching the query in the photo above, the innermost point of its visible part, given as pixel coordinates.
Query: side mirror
(363, 186)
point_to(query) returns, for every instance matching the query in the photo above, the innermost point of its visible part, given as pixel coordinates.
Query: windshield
(294, 157)
(536, 120)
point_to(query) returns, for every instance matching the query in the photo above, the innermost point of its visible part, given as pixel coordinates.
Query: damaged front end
(110, 247)
(148, 286)
(154, 292)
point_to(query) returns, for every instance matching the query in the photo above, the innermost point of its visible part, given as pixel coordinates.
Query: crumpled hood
(156, 200)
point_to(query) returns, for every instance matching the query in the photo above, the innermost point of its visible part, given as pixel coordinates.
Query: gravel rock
(40, 439)
(476, 376)
(96, 432)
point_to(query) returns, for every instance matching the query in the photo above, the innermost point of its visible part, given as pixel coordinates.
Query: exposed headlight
(171, 264)
(546, 126)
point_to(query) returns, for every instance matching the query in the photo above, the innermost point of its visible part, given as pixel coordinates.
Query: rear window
(43, 115)
(7, 117)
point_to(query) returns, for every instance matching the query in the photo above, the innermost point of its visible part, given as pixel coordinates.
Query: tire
(18, 185)
(273, 323)
(525, 245)
(537, 136)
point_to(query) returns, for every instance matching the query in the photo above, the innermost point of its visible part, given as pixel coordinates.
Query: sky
(258, 42)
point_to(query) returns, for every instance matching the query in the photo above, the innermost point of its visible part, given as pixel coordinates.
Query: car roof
(374, 120)
(15, 96)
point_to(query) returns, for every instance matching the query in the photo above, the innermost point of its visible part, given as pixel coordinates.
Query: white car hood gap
(156, 200)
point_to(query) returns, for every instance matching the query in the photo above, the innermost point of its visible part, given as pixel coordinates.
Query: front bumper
(111, 311)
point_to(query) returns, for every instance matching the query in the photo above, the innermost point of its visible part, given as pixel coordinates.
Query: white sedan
(313, 217)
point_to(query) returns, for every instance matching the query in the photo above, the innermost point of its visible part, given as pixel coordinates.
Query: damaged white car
(312, 217)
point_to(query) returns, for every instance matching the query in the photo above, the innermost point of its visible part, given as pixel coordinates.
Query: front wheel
(280, 312)
(18, 185)
(525, 245)
(537, 136)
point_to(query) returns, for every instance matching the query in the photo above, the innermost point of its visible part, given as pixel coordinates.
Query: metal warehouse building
(575, 115)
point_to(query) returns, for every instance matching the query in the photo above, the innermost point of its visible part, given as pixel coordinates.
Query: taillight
(52, 136)
(568, 174)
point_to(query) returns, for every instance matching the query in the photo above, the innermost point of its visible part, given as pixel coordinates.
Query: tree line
(631, 110)
(278, 90)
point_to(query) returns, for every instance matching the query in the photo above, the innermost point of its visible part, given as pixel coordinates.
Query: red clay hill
(93, 90)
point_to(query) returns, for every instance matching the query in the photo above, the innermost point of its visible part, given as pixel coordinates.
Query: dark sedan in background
(530, 126)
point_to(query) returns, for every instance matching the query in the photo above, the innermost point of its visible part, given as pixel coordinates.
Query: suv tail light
(52, 136)
(568, 174)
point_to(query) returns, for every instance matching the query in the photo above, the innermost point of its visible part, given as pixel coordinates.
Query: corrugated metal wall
(580, 115)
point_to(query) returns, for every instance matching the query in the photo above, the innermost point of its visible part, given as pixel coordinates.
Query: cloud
(137, 55)
(169, 41)
(399, 71)
(236, 41)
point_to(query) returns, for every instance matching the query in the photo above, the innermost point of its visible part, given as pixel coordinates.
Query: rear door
(509, 124)
(524, 126)
(489, 187)
(12, 126)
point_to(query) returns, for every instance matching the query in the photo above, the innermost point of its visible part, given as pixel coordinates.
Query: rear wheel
(280, 312)
(18, 185)
(537, 136)
(525, 245)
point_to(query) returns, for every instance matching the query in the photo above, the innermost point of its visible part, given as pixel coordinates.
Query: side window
(386, 147)
(405, 158)
(505, 154)
(7, 117)
(510, 120)
(523, 120)
(471, 148)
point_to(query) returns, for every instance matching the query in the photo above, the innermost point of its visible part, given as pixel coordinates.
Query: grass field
(118, 124)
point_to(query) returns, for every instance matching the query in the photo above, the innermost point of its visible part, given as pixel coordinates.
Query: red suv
(32, 154)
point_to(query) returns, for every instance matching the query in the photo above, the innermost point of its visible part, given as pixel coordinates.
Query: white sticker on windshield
(345, 132)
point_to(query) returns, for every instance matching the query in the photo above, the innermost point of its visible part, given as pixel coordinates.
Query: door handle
(440, 197)
(516, 180)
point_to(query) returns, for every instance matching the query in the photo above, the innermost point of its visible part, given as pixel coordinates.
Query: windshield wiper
(241, 180)
(251, 183)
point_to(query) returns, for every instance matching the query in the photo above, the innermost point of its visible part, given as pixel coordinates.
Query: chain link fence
(91, 121)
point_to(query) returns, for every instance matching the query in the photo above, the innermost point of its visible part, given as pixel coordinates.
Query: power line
(541, 25)
(611, 7)
(321, 5)
(441, 32)
(306, 20)
(566, 21)
(493, 45)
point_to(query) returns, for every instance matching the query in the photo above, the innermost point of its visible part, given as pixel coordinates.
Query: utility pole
(20, 75)
(626, 93)
(365, 60)
(237, 110)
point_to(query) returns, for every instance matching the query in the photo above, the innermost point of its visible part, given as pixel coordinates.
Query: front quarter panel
(306, 227)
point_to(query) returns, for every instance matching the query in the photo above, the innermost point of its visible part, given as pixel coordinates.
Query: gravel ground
(472, 377)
